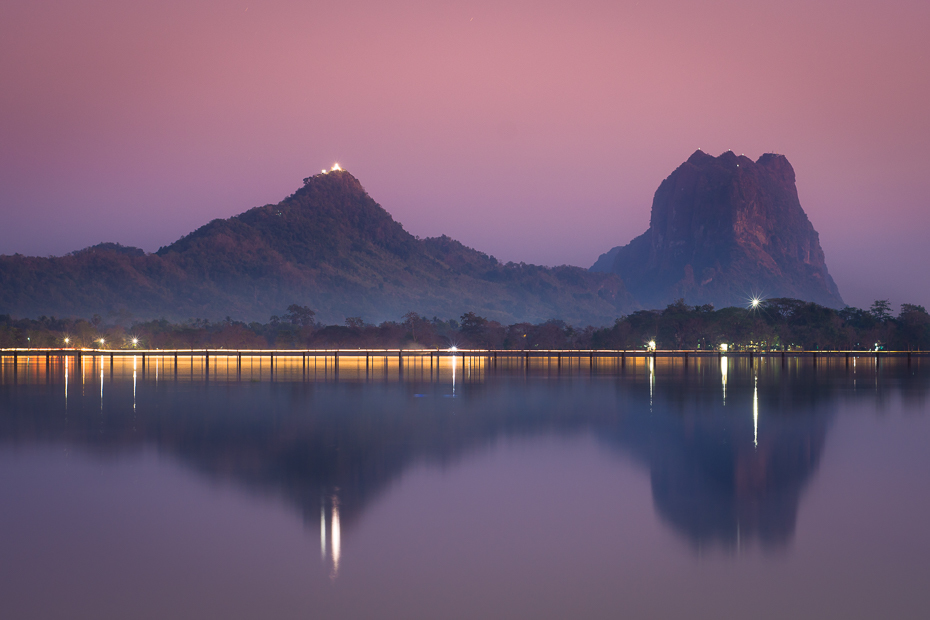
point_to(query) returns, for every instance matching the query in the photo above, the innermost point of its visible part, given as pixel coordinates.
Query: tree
(299, 315)
(416, 323)
(881, 310)
(472, 324)
(915, 327)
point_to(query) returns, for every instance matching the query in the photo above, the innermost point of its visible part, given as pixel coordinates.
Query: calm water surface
(713, 489)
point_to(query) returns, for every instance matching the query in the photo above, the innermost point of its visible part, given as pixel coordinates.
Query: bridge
(230, 362)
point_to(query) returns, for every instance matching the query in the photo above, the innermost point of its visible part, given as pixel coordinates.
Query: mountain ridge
(329, 246)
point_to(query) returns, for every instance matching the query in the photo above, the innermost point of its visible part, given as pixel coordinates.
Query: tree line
(774, 324)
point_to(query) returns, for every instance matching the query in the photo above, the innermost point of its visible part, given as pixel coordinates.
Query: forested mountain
(328, 246)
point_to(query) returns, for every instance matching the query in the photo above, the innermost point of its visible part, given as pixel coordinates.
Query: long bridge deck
(44, 364)
(403, 353)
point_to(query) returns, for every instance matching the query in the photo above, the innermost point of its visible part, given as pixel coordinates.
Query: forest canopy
(775, 324)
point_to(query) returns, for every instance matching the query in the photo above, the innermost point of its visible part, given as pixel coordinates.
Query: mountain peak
(334, 178)
(698, 157)
(723, 229)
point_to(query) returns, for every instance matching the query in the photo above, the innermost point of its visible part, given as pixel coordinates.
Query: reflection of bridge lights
(652, 379)
(723, 376)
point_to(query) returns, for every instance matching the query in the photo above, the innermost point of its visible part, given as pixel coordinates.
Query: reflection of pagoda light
(755, 412)
(322, 533)
(336, 536)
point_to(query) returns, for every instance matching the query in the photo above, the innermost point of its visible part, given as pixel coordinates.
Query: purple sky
(535, 131)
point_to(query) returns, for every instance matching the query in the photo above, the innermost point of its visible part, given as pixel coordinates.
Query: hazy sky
(534, 131)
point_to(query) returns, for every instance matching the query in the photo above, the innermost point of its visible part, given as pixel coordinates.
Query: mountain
(328, 246)
(722, 231)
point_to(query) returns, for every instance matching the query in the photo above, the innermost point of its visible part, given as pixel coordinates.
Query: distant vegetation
(776, 324)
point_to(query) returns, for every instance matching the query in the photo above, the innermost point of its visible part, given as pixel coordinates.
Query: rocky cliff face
(723, 230)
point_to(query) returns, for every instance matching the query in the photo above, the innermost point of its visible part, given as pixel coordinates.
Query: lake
(712, 488)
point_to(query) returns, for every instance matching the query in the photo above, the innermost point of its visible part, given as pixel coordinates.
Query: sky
(533, 131)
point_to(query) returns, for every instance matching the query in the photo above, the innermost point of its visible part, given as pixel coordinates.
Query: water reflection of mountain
(722, 471)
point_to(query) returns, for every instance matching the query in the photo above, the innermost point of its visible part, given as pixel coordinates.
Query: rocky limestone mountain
(722, 231)
(328, 246)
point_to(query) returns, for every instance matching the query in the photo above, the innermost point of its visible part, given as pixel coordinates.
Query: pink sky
(534, 131)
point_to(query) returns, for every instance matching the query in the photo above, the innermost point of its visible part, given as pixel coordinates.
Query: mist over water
(462, 488)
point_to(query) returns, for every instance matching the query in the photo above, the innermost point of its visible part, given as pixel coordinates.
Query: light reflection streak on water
(755, 412)
(723, 375)
(66, 381)
(453, 376)
(101, 383)
(322, 532)
(133, 382)
(336, 536)
(652, 379)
